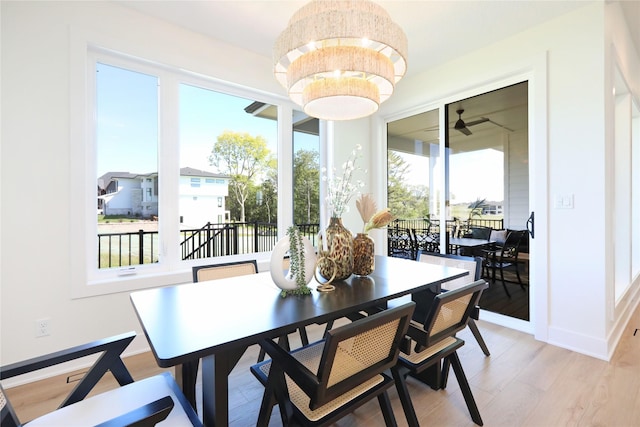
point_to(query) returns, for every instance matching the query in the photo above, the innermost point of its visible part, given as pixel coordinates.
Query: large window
(127, 165)
(186, 169)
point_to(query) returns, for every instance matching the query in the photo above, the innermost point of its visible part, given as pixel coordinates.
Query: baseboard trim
(138, 345)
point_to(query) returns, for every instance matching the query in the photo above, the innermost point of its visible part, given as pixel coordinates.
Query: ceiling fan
(463, 127)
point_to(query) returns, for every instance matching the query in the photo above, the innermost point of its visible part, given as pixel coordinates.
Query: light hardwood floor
(523, 383)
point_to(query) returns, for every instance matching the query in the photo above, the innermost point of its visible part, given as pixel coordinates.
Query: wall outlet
(43, 327)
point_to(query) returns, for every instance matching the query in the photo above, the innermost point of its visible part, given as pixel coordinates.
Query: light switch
(563, 201)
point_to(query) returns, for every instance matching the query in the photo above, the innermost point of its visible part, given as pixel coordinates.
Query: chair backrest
(221, 271)
(359, 351)
(511, 245)
(479, 232)
(401, 243)
(449, 314)
(472, 264)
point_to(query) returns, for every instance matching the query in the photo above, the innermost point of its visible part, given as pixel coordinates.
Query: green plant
(296, 263)
(476, 208)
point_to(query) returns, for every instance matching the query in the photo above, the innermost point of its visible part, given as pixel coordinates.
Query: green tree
(268, 195)
(418, 203)
(244, 158)
(398, 193)
(306, 187)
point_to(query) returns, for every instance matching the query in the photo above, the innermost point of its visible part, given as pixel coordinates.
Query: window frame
(87, 280)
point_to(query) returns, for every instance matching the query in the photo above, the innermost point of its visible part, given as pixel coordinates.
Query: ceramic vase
(340, 249)
(363, 255)
(278, 267)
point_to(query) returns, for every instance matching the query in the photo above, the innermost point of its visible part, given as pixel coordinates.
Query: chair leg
(261, 355)
(476, 333)
(405, 399)
(266, 407)
(303, 336)
(387, 410)
(466, 390)
(328, 327)
(518, 276)
(504, 284)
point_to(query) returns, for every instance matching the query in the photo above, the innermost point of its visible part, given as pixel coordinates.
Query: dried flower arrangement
(340, 190)
(370, 216)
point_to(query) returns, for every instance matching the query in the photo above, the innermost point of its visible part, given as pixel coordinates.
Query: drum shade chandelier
(340, 59)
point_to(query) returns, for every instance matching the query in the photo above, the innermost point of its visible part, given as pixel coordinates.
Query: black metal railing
(124, 249)
(406, 236)
(211, 240)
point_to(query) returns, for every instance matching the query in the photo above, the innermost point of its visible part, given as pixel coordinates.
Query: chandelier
(340, 59)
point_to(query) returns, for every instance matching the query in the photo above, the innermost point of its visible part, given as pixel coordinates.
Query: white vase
(281, 276)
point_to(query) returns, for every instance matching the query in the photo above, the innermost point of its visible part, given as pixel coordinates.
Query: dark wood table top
(186, 322)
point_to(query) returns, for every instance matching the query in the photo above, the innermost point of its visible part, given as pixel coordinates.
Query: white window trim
(86, 281)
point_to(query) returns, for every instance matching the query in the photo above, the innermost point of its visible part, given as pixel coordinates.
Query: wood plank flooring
(523, 383)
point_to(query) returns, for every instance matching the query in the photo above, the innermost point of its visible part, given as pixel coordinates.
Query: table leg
(215, 386)
(186, 375)
(431, 376)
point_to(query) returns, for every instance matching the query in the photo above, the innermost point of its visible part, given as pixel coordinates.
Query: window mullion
(169, 169)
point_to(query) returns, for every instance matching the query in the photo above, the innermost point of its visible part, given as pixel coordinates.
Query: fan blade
(477, 122)
(464, 130)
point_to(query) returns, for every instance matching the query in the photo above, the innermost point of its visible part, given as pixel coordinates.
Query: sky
(473, 175)
(127, 104)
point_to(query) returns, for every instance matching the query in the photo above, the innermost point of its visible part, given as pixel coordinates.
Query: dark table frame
(217, 320)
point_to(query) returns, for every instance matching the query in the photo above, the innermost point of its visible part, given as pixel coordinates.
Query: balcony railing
(212, 240)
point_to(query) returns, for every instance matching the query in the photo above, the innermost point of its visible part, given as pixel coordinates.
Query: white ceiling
(438, 31)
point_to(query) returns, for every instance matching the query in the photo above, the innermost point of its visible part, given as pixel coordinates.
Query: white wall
(35, 137)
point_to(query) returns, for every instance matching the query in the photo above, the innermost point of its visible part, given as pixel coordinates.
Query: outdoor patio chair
(143, 403)
(324, 381)
(504, 257)
(474, 266)
(434, 340)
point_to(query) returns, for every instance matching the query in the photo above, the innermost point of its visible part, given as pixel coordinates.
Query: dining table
(217, 320)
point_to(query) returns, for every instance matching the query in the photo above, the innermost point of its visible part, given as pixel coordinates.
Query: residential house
(124, 193)
(202, 197)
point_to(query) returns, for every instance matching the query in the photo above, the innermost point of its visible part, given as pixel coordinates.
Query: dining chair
(324, 381)
(504, 257)
(474, 266)
(433, 339)
(401, 243)
(147, 402)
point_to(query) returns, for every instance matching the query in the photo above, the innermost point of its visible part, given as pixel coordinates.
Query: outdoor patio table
(467, 242)
(217, 320)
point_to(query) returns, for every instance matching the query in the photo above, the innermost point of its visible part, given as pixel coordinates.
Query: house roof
(105, 179)
(187, 171)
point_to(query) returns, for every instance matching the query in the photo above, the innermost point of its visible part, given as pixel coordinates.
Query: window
(306, 173)
(126, 140)
(136, 184)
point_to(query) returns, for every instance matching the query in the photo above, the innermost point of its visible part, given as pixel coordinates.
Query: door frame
(534, 71)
